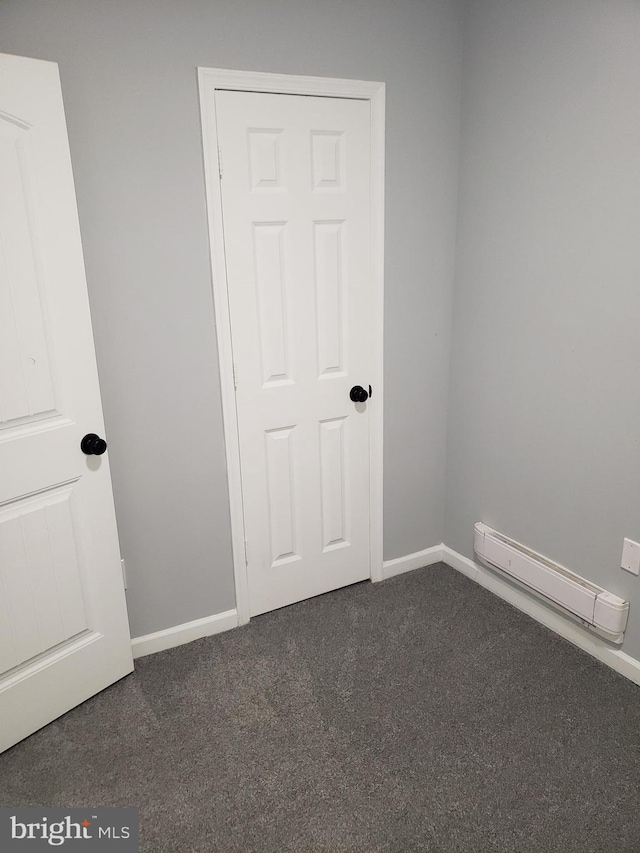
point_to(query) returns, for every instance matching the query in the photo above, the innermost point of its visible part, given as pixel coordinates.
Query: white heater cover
(603, 611)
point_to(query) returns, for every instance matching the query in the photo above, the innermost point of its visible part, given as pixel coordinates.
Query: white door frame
(211, 79)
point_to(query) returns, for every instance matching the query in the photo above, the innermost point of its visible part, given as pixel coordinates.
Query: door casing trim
(210, 80)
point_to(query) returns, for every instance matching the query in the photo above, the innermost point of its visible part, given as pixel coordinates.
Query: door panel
(63, 624)
(26, 387)
(296, 210)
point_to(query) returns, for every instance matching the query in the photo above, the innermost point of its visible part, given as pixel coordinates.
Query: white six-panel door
(64, 633)
(295, 178)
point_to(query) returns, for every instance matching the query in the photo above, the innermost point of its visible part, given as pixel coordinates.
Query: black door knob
(358, 394)
(93, 445)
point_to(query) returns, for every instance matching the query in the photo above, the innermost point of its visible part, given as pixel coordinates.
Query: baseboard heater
(601, 611)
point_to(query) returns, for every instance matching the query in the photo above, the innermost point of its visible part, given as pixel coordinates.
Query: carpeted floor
(420, 714)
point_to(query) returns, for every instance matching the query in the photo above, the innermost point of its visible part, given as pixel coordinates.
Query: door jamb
(210, 80)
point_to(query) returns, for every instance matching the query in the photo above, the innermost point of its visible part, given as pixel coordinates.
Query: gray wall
(544, 438)
(129, 81)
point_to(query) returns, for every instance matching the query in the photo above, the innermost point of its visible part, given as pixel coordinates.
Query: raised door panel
(265, 158)
(331, 305)
(282, 509)
(328, 160)
(26, 386)
(333, 480)
(39, 576)
(272, 294)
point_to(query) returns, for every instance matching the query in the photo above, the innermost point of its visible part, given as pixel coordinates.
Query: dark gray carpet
(421, 714)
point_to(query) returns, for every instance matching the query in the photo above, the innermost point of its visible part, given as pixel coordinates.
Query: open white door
(64, 633)
(296, 207)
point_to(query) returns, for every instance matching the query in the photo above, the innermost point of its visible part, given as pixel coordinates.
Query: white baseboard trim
(555, 621)
(562, 625)
(185, 633)
(391, 568)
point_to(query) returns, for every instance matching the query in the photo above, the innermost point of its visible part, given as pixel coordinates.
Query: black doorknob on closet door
(358, 394)
(93, 445)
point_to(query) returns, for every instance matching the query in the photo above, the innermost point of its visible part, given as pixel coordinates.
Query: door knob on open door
(358, 394)
(93, 445)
